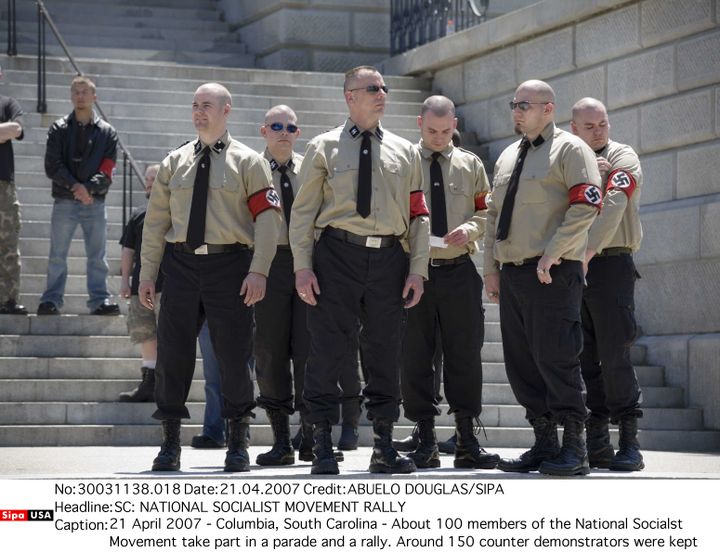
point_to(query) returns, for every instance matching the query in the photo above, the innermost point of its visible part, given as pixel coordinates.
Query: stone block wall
(656, 65)
(312, 35)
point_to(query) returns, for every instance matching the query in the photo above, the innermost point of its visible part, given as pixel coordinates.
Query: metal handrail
(12, 29)
(417, 22)
(130, 166)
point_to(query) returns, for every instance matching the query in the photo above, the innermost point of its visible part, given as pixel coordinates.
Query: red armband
(265, 199)
(481, 201)
(588, 194)
(418, 207)
(622, 180)
(107, 166)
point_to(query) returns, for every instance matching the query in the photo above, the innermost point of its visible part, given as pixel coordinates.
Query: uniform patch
(418, 207)
(107, 166)
(622, 180)
(265, 199)
(585, 193)
(481, 201)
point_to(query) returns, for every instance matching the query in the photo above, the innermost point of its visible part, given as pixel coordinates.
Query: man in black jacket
(80, 158)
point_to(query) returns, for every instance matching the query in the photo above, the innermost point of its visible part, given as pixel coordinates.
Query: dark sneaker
(11, 307)
(107, 309)
(205, 442)
(46, 307)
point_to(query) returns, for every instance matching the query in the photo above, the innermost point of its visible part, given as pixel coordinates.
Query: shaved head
(540, 90)
(588, 104)
(217, 90)
(280, 109)
(440, 106)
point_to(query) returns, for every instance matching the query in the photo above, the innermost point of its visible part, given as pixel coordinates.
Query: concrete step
(142, 68)
(150, 435)
(84, 413)
(35, 229)
(85, 325)
(76, 283)
(105, 13)
(75, 304)
(43, 212)
(38, 247)
(76, 265)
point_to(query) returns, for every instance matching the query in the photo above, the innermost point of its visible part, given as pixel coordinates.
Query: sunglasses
(525, 106)
(372, 89)
(279, 127)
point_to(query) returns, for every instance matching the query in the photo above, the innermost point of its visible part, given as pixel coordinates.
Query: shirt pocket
(532, 190)
(459, 197)
(226, 182)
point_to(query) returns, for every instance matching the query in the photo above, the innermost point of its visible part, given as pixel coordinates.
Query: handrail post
(42, 91)
(124, 200)
(12, 29)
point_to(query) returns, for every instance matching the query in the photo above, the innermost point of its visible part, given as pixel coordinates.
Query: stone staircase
(60, 376)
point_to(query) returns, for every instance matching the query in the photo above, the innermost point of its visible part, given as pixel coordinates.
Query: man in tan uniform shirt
(212, 202)
(608, 312)
(362, 187)
(456, 189)
(545, 197)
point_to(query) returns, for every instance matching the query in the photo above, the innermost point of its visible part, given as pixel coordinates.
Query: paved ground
(134, 462)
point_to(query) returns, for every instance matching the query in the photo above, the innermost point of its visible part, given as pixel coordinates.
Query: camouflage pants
(9, 234)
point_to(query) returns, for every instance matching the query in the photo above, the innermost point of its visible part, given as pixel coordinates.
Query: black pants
(609, 329)
(542, 338)
(196, 287)
(281, 336)
(452, 301)
(356, 284)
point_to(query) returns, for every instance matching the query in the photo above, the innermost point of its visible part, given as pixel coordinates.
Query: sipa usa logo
(26, 515)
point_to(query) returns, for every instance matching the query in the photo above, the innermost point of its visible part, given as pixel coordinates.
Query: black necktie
(198, 207)
(365, 176)
(438, 211)
(287, 192)
(503, 226)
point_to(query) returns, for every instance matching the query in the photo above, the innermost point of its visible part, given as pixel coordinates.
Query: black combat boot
(448, 447)
(281, 453)
(168, 458)
(468, 452)
(546, 446)
(350, 420)
(297, 439)
(324, 462)
(237, 458)
(144, 392)
(426, 455)
(628, 457)
(600, 451)
(385, 458)
(573, 457)
(305, 451)
(409, 443)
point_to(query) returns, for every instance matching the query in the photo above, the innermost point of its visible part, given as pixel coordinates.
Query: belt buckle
(373, 241)
(518, 263)
(432, 263)
(202, 250)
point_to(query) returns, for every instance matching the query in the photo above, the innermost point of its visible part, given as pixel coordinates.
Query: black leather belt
(209, 248)
(375, 242)
(532, 260)
(614, 252)
(448, 262)
(284, 247)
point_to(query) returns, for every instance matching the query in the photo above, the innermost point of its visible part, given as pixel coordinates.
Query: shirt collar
(94, 119)
(216, 148)
(274, 165)
(355, 131)
(427, 152)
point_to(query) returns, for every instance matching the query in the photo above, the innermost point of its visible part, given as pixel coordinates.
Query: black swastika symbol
(621, 180)
(272, 197)
(592, 195)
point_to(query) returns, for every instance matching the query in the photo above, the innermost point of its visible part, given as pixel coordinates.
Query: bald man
(213, 220)
(546, 194)
(608, 308)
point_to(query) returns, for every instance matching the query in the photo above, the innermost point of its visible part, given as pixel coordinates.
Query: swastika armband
(418, 207)
(106, 167)
(622, 180)
(481, 201)
(585, 193)
(265, 199)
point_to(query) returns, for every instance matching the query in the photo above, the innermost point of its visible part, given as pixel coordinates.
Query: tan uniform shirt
(619, 222)
(466, 187)
(543, 221)
(293, 168)
(236, 172)
(328, 192)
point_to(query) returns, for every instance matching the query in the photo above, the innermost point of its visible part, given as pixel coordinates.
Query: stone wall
(312, 35)
(656, 65)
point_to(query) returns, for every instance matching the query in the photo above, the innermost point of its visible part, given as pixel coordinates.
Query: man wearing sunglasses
(456, 189)
(363, 188)
(213, 220)
(546, 194)
(608, 311)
